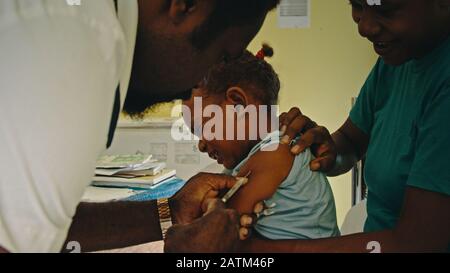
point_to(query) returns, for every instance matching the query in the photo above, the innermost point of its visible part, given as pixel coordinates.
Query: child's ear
(236, 96)
(180, 9)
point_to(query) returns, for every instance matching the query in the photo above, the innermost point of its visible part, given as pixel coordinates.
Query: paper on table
(102, 195)
(123, 161)
(144, 182)
(150, 168)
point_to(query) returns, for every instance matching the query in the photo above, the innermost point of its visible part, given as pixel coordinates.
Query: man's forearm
(101, 226)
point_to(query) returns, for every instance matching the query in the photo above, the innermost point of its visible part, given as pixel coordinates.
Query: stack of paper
(102, 194)
(135, 171)
(123, 161)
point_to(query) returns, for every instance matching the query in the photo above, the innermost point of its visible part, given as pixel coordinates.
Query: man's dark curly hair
(230, 13)
(248, 72)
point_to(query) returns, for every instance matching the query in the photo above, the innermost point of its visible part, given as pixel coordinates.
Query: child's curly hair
(249, 72)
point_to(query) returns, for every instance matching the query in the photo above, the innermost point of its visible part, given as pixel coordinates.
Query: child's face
(402, 29)
(226, 152)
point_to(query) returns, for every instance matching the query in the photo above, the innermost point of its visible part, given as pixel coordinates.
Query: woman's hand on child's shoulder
(318, 138)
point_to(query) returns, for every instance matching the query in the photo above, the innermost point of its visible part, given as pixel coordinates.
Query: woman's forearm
(350, 144)
(346, 155)
(376, 242)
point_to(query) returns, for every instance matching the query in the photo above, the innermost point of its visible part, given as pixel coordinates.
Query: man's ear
(236, 96)
(179, 9)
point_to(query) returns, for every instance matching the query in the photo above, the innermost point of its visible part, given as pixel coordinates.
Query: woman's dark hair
(249, 72)
(230, 13)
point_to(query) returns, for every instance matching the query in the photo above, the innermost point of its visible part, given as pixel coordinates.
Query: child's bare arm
(268, 169)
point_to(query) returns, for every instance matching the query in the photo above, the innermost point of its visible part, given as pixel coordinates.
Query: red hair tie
(260, 55)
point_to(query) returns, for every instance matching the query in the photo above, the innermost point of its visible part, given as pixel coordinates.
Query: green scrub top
(406, 112)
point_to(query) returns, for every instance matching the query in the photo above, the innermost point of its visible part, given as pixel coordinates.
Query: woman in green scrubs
(401, 124)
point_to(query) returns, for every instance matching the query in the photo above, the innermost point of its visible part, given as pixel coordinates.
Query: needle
(241, 182)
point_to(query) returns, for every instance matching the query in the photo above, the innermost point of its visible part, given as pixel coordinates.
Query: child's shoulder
(275, 160)
(266, 171)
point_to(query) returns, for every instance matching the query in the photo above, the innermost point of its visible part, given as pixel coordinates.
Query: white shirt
(59, 69)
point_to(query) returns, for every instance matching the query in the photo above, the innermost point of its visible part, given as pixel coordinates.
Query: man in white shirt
(59, 71)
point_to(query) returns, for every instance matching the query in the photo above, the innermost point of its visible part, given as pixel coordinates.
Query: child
(301, 202)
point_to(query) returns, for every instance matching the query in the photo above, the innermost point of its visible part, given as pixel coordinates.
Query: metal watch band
(165, 218)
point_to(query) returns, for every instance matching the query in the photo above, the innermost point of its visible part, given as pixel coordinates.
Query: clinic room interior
(325, 57)
(328, 57)
(163, 186)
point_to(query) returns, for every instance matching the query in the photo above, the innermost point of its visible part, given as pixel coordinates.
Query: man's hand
(216, 231)
(189, 203)
(316, 137)
(203, 224)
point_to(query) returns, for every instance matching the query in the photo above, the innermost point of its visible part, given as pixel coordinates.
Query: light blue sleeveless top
(303, 205)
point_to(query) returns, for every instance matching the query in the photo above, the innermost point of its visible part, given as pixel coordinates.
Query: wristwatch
(165, 218)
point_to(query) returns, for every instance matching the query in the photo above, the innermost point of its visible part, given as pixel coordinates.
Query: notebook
(144, 182)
